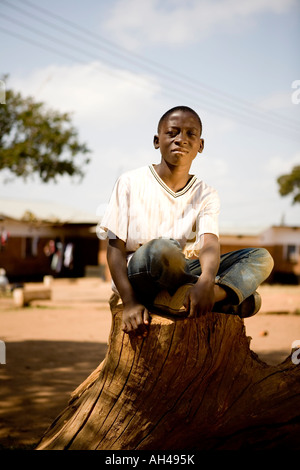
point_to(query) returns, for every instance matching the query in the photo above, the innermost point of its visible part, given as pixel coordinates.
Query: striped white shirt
(142, 207)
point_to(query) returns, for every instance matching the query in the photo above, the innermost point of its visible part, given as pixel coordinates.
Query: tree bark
(192, 384)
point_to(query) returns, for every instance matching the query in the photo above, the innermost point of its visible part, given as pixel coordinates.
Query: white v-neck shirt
(142, 207)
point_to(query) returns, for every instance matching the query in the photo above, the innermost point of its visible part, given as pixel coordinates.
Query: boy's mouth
(179, 150)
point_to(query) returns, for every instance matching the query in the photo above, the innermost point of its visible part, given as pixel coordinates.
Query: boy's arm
(135, 316)
(201, 297)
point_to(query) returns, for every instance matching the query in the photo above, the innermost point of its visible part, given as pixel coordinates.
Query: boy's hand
(200, 298)
(136, 319)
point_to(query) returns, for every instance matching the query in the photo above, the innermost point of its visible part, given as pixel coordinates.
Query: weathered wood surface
(192, 384)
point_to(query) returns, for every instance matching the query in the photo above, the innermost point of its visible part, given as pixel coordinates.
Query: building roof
(45, 211)
(235, 230)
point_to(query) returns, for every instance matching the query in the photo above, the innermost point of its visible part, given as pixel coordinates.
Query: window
(291, 253)
(31, 247)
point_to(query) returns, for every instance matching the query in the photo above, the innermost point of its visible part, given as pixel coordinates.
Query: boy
(162, 225)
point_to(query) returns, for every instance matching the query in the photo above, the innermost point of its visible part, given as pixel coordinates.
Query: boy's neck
(174, 177)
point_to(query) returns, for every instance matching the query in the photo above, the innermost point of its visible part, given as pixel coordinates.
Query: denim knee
(162, 262)
(244, 270)
(161, 245)
(148, 258)
(266, 261)
(166, 248)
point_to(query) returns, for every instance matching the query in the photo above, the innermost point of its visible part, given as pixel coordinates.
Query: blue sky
(118, 65)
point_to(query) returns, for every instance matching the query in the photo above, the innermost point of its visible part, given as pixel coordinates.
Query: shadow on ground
(36, 383)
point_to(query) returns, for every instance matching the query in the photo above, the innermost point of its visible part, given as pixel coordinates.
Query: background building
(37, 239)
(282, 242)
(42, 238)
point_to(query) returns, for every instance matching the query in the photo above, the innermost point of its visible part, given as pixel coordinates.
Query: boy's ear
(201, 146)
(156, 142)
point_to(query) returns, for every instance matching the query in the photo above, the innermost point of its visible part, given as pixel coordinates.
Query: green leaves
(290, 184)
(36, 140)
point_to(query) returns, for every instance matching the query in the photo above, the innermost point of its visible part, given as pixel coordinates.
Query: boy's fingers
(142, 322)
(130, 325)
(146, 316)
(186, 302)
(137, 323)
(192, 311)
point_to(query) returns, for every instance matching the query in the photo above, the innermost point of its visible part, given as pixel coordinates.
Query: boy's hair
(179, 108)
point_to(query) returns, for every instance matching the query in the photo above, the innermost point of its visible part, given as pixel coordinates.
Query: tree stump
(192, 384)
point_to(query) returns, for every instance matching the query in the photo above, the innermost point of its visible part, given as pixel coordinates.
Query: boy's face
(179, 139)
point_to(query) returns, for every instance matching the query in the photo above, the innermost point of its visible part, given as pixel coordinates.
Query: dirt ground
(53, 345)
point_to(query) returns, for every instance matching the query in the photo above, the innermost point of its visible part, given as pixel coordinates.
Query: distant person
(3, 281)
(162, 226)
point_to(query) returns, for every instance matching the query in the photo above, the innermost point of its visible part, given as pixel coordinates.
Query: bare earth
(53, 345)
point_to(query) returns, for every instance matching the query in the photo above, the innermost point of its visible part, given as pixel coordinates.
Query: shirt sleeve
(115, 219)
(208, 218)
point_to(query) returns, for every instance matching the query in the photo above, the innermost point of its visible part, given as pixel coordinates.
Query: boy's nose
(181, 138)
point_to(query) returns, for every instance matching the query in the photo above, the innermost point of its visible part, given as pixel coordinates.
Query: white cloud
(279, 165)
(90, 91)
(135, 22)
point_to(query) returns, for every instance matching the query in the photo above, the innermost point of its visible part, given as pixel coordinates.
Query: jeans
(161, 265)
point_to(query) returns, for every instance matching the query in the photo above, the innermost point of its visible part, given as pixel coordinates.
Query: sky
(118, 65)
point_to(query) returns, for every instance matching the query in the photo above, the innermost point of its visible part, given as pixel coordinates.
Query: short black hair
(179, 108)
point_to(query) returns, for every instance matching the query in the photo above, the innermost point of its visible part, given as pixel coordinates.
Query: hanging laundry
(57, 260)
(34, 246)
(68, 256)
(4, 237)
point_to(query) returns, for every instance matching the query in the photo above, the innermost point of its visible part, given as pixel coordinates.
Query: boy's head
(179, 136)
(184, 109)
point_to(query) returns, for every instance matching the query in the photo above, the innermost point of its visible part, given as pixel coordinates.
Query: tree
(192, 384)
(36, 140)
(290, 184)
